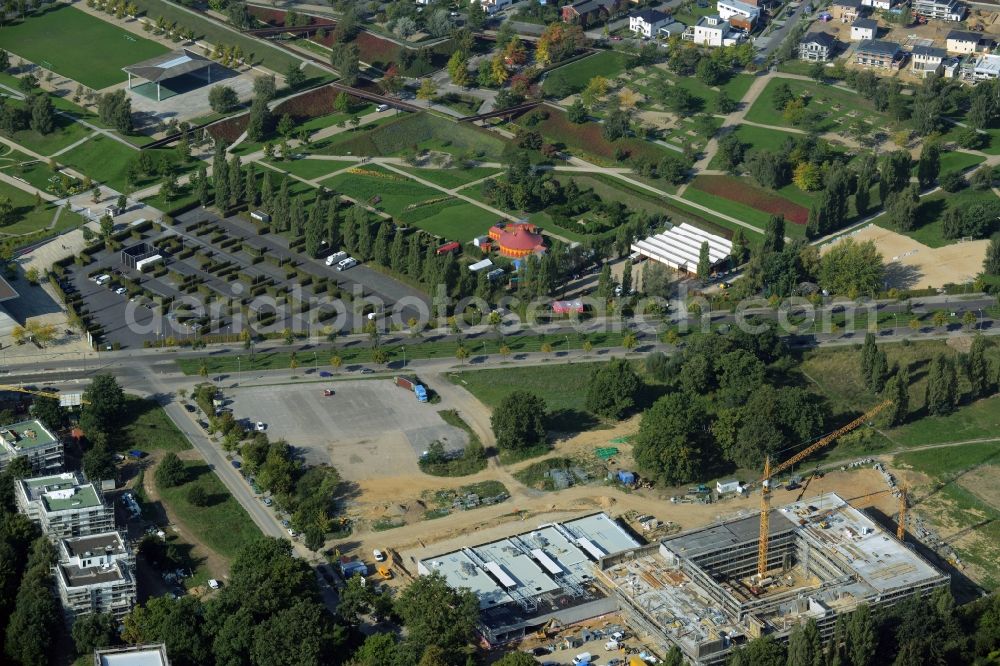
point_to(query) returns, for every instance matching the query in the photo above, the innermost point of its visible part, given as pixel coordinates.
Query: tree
(516, 659)
(894, 173)
(48, 411)
(222, 99)
(294, 76)
(774, 235)
(897, 389)
(176, 622)
(299, 635)
(704, 262)
(171, 471)
(4, 61)
(617, 125)
(103, 409)
(852, 268)
(763, 651)
(901, 208)
(93, 631)
(929, 164)
(265, 88)
(196, 495)
(724, 104)
(767, 168)
(436, 614)
(260, 121)
(577, 112)
(671, 446)
(613, 389)
(731, 152)
(33, 625)
(991, 264)
(942, 386)
(427, 90)
(807, 176)
(458, 69)
(862, 638)
(977, 368)
(476, 16)
(345, 59)
(879, 372)
(42, 114)
(379, 649)
(518, 422)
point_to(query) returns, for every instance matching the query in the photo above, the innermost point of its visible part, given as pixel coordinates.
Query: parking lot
(369, 427)
(221, 276)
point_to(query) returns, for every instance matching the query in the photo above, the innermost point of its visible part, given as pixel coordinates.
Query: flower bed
(230, 129)
(276, 17)
(740, 191)
(589, 139)
(312, 104)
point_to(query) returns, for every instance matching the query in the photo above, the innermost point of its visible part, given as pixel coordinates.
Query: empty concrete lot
(367, 428)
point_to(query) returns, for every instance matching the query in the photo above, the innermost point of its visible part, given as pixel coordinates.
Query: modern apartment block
(31, 439)
(946, 10)
(137, 655)
(64, 505)
(96, 574)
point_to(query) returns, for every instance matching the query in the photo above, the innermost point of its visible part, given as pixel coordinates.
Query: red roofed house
(517, 239)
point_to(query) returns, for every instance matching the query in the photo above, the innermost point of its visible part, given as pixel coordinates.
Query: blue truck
(411, 385)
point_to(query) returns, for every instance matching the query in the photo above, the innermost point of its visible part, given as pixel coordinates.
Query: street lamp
(403, 348)
(315, 363)
(239, 370)
(979, 324)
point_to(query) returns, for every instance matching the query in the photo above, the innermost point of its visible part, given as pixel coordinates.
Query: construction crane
(901, 523)
(65, 399)
(805, 486)
(765, 491)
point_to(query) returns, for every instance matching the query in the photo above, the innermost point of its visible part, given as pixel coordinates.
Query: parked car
(378, 555)
(261, 426)
(236, 464)
(382, 107)
(190, 408)
(214, 584)
(344, 264)
(268, 501)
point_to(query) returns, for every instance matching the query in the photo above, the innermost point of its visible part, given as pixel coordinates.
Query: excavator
(549, 630)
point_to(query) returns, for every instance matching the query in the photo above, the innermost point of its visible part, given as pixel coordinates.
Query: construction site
(702, 589)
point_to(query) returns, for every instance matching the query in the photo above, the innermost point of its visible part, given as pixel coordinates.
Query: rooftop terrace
(18, 437)
(108, 542)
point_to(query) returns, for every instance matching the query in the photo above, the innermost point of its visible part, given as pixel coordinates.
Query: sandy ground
(913, 265)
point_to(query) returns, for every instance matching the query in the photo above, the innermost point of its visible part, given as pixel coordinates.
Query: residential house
(817, 47)
(864, 28)
(981, 68)
(96, 574)
(945, 10)
(713, 31)
(735, 8)
(64, 505)
(32, 440)
(588, 12)
(926, 60)
(648, 22)
(493, 6)
(960, 41)
(879, 54)
(845, 11)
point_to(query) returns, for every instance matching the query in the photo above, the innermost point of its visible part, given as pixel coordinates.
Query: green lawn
(207, 522)
(185, 196)
(77, 45)
(952, 160)
(835, 374)
(150, 429)
(736, 87)
(833, 103)
(562, 386)
(930, 214)
(994, 133)
(331, 119)
(309, 169)
(574, 76)
(453, 219)
(271, 57)
(451, 178)
(27, 218)
(397, 192)
(19, 165)
(103, 159)
(758, 137)
(67, 132)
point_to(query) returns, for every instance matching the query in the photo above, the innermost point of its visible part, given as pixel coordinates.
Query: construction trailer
(699, 590)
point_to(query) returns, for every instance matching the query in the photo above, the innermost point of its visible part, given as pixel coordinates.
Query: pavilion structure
(172, 65)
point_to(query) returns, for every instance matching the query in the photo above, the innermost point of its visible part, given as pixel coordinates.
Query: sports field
(77, 45)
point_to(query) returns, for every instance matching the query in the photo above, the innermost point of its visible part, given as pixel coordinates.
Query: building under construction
(700, 589)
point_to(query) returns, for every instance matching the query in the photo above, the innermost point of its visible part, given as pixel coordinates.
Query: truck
(411, 385)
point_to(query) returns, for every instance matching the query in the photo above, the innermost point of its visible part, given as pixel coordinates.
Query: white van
(102, 279)
(336, 257)
(347, 263)
(382, 107)
(583, 658)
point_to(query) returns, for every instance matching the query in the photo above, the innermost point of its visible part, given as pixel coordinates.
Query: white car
(261, 426)
(101, 279)
(336, 257)
(121, 291)
(347, 263)
(382, 107)
(379, 555)
(214, 584)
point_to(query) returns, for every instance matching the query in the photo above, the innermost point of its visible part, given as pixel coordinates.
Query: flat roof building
(64, 505)
(139, 655)
(96, 574)
(680, 247)
(525, 580)
(33, 440)
(698, 590)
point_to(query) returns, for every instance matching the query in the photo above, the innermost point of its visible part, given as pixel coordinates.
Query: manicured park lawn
(736, 87)
(310, 169)
(36, 172)
(205, 521)
(27, 218)
(930, 214)
(396, 192)
(758, 137)
(331, 119)
(66, 133)
(451, 178)
(77, 45)
(574, 76)
(952, 160)
(103, 159)
(834, 103)
(452, 219)
(993, 148)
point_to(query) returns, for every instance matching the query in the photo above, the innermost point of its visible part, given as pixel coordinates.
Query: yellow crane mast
(765, 490)
(44, 394)
(901, 523)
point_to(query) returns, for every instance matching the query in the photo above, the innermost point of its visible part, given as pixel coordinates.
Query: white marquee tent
(680, 246)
